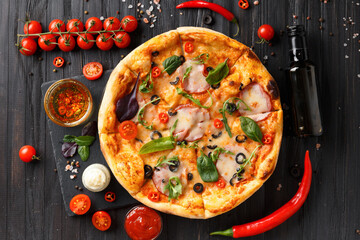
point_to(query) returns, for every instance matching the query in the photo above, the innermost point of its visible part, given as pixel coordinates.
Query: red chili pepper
(214, 7)
(110, 196)
(244, 4)
(58, 62)
(280, 215)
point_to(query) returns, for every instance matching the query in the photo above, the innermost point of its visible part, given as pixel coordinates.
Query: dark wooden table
(31, 205)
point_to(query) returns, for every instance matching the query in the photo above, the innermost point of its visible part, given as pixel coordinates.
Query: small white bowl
(96, 177)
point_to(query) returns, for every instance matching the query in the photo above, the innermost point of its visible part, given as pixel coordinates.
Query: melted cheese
(256, 98)
(196, 81)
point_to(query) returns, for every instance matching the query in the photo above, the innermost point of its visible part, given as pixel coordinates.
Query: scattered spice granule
(76, 186)
(331, 34)
(55, 170)
(256, 3)
(80, 188)
(278, 188)
(295, 16)
(308, 18)
(72, 176)
(321, 28)
(321, 19)
(30, 74)
(357, 231)
(272, 54)
(102, 18)
(117, 12)
(318, 145)
(40, 58)
(181, 13)
(146, 20)
(152, 25)
(86, 12)
(358, 75)
(54, 70)
(156, 1)
(130, 6)
(346, 56)
(68, 63)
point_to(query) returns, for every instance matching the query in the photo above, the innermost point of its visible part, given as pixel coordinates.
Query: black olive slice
(232, 180)
(153, 97)
(230, 107)
(216, 86)
(198, 188)
(241, 86)
(171, 112)
(182, 59)
(216, 136)
(155, 53)
(208, 69)
(185, 142)
(148, 171)
(174, 166)
(209, 154)
(178, 143)
(211, 146)
(139, 140)
(190, 176)
(241, 138)
(163, 180)
(153, 64)
(177, 79)
(240, 158)
(295, 171)
(208, 19)
(152, 135)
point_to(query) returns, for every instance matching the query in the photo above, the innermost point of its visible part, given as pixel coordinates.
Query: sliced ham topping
(256, 98)
(162, 175)
(259, 117)
(192, 123)
(195, 82)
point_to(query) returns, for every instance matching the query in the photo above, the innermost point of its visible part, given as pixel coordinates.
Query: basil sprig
(215, 154)
(171, 64)
(199, 60)
(196, 101)
(83, 143)
(187, 72)
(175, 189)
(169, 161)
(145, 87)
(194, 145)
(141, 114)
(206, 168)
(217, 74)
(251, 129)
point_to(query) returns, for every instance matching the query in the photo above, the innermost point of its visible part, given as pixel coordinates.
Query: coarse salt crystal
(151, 8)
(67, 167)
(142, 5)
(150, 2)
(139, 4)
(146, 20)
(72, 176)
(148, 12)
(346, 56)
(102, 18)
(156, 1)
(130, 6)
(345, 44)
(266, 57)
(74, 170)
(152, 25)
(256, 3)
(358, 75)
(123, 0)
(154, 20)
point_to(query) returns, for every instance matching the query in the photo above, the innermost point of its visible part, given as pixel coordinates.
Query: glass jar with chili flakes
(68, 103)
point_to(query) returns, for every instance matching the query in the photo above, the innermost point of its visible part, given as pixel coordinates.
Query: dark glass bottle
(301, 75)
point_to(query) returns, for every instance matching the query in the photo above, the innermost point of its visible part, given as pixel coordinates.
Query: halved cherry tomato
(128, 130)
(218, 123)
(154, 196)
(189, 47)
(58, 62)
(93, 70)
(27, 153)
(62, 110)
(155, 72)
(267, 139)
(80, 204)
(164, 118)
(244, 4)
(110, 196)
(101, 220)
(221, 183)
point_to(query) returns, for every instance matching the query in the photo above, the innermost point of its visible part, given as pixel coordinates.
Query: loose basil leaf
(68, 149)
(158, 145)
(169, 161)
(217, 74)
(207, 169)
(199, 60)
(247, 161)
(84, 140)
(145, 87)
(171, 64)
(141, 114)
(251, 129)
(90, 129)
(175, 190)
(215, 154)
(187, 72)
(84, 152)
(69, 138)
(196, 101)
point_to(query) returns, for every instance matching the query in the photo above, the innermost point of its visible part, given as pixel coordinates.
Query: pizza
(191, 123)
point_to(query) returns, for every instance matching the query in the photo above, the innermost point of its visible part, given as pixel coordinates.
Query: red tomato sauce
(143, 223)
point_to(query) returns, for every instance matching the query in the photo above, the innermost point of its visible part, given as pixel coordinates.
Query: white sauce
(96, 177)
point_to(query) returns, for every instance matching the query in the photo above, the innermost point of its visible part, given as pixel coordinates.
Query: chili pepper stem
(237, 26)
(227, 232)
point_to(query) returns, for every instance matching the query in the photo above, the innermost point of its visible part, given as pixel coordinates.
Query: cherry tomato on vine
(101, 220)
(85, 41)
(244, 4)
(93, 70)
(164, 117)
(189, 47)
(93, 24)
(128, 130)
(221, 183)
(66, 43)
(155, 72)
(129, 23)
(74, 25)
(122, 39)
(112, 23)
(218, 123)
(59, 62)
(154, 196)
(266, 32)
(55, 25)
(27, 46)
(47, 42)
(32, 27)
(27, 153)
(80, 204)
(104, 41)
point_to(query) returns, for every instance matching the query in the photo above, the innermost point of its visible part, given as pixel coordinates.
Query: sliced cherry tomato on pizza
(110, 196)
(164, 117)
(47, 42)
(267, 139)
(111, 24)
(80, 204)
(155, 72)
(122, 39)
(101, 220)
(93, 70)
(154, 196)
(74, 26)
(56, 25)
(129, 23)
(218, 123)
(32, 27)
(221, 183)
(58, 62)
(189, 47)
(93, 24)
(244, 4)
(128, 130)
(85, 41)
(104, 41)
(66, 43)
(27, 46)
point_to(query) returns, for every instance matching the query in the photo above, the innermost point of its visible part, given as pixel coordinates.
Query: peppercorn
(321, 28)
(68, 63)
(30, 74)
(76, 186)
(80, 188)
(308, 18)
(54, 70)
(86, 12)
(40, 58)
(67, 162)
(55, 170)
(321, 19)
(331, 34)
(272, 54)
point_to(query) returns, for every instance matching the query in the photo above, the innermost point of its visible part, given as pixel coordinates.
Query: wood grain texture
(30, 199)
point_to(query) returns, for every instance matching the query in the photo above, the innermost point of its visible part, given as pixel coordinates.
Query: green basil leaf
(84, 152)
(198, 59)
(141, 114)
(251, 129)
(158, 145)
(175, 190)
(215, 154)
(144, 86)
(69, 138)
(169, 161)
(84, 140)
(217, 74)
(207, 169)
(196, 101)
(171, 64)
(187, 72)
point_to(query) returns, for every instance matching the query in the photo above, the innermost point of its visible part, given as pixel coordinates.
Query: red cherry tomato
(74, 25)
(110, 197)
(154, 196)
(32, 27)
(56, 25)
(59, 62)
(85, 41)
(93, 24)
(101, 220)
(104, 41)
(155, 72)
(129, 23)
(47, 42)
(266, 32)
(111, 24)
(267, 139)
(66, 43)
(189, 47)
(93, 70)
(244, 4)
(122, 39)
(80, 204)
(128, 130)
(27, 153)
(221, 183)
(164, 117)
(27, 46)
(218, 123)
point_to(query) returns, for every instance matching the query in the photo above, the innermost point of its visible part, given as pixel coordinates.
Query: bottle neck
(298, 49)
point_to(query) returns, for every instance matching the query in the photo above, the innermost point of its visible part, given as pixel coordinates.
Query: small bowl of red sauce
(143, 223)
(68, 103)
